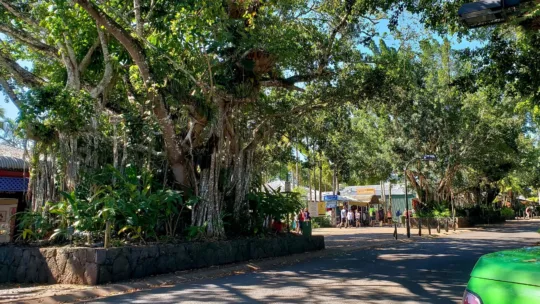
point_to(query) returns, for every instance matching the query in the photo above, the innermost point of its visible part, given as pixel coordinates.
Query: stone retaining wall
(91, 266)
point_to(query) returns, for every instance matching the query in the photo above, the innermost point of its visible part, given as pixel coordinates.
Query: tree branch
(71, 52)
(73, 79)
(133, 46)
(108, 73)
(281, 83)
(19, 15)
(326, 55)
(289, 83)
(137, 54)
(151, 11)
(10, 93)
(28, 40)
(83, 65)
(138, 19)
(19, 73)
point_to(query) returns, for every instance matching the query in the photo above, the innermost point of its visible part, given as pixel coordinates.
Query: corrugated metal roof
(12, 158)
(12, 163)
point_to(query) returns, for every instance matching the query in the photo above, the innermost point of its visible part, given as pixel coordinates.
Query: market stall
(334, 203)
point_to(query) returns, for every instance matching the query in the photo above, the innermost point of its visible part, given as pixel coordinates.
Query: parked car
(509, 277)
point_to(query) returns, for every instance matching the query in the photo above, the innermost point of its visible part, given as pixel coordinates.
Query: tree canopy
(212, 96)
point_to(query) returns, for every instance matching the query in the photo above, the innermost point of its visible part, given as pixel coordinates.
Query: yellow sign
(361, 191)
(321, 208)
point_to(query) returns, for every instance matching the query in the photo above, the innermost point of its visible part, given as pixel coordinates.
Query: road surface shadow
(427, 271)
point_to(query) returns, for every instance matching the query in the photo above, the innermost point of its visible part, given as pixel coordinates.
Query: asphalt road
(427, 271)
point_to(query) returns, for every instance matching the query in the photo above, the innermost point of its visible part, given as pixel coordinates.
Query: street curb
(168, 280)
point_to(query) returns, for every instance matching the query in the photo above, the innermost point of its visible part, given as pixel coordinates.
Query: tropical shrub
(33, 225)
(507, 213)
(134, 205)
(271, 204)
(321, 222)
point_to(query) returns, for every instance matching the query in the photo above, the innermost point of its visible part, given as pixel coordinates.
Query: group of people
(355, 218)
(300, 218)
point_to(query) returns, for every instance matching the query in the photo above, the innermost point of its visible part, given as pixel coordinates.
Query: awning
(13, 163)
(366, 198)
(332, 200)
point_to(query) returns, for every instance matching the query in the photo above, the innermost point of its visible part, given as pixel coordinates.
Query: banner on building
(362, 191)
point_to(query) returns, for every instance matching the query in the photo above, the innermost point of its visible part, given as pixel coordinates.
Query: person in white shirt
(343, 217)
(350, 217)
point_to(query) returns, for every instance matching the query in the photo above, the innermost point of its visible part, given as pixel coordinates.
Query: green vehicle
(509, 277)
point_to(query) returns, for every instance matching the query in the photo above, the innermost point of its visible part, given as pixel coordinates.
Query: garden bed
(92, 266)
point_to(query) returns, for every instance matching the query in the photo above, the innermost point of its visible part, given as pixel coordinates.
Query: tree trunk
(429, 225)
(334, 178)
(297, 172)
(320, 180)
(419, 227)
(242, 179)
(208, 210)
(174, 153)
(309, 184)
(438, 226)
(453, 215)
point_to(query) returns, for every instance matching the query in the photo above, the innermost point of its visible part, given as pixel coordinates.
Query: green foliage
(51, 109)
(440, 211)
(137, 209)
(33, 225)
(196, 232)
(321, 222)
(507, 213)
(265, 77)
(272, 204)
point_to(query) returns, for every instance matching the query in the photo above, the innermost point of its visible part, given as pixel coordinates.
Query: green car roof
(521, 266)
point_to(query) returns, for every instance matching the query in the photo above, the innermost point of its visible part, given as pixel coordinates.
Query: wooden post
(106, 243)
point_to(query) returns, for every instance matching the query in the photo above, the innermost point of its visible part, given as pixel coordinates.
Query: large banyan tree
(193, 87)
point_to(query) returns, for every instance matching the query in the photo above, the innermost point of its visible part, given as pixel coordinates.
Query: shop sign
(330, 198)
(332, 204)
(361, 191)
(321, 208)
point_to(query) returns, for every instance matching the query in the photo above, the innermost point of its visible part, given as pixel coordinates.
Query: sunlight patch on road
(411, 256)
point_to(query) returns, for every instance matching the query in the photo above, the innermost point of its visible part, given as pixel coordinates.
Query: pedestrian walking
(307, 216)
(296, 223)
(364, 217)
(301, 220)
(381, 216)
(358, 217)
(350, 218)
(343, 217)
